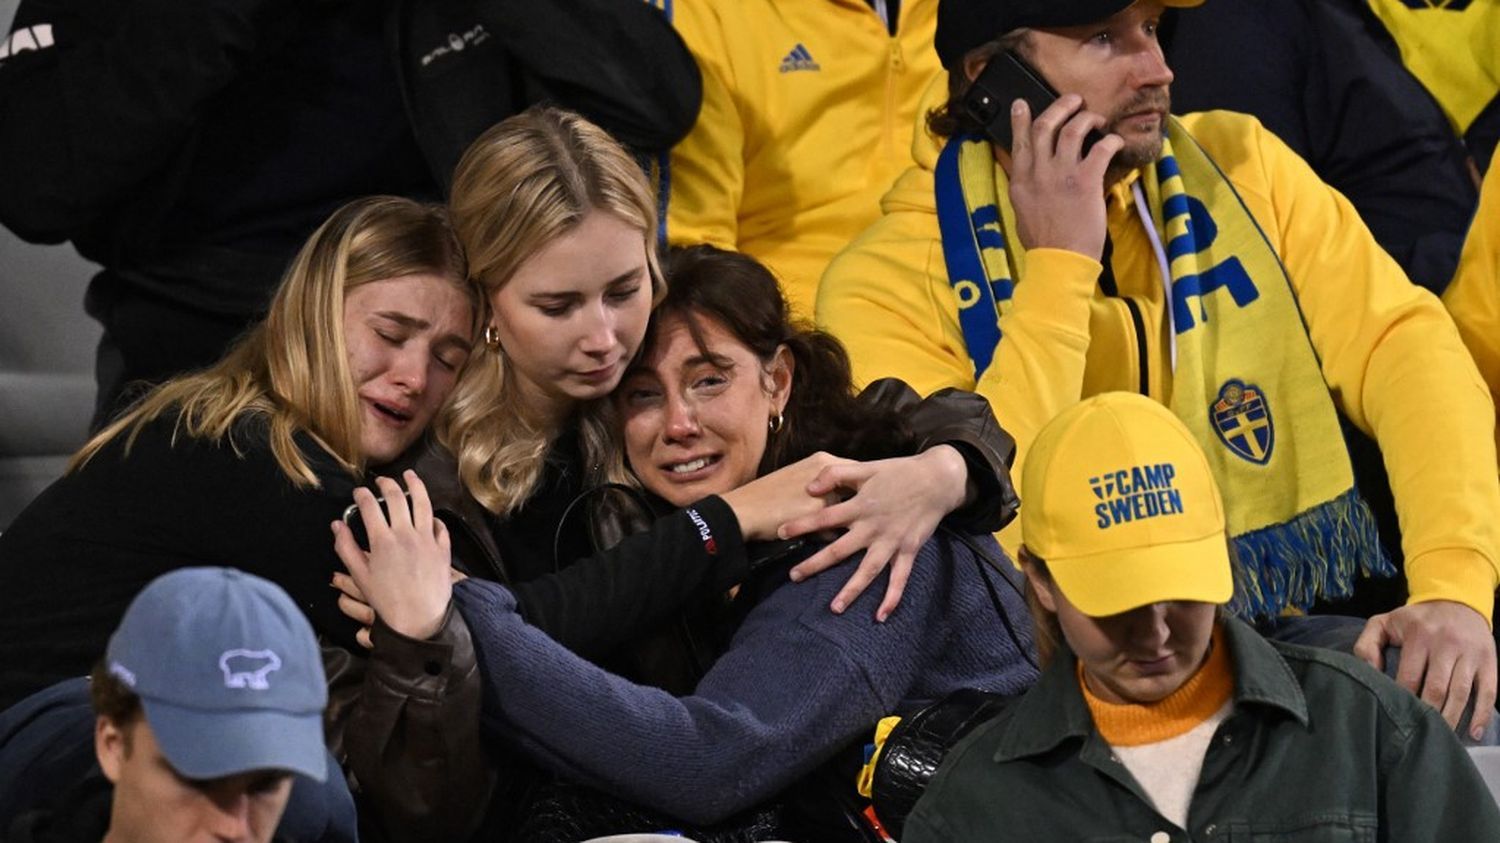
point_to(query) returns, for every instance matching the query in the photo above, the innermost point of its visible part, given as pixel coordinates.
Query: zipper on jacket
(895, 67)
(1140, 343)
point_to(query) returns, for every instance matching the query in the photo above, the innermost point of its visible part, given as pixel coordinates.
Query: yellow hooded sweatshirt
(808, 108)
(1389, 352)
(1474, 296)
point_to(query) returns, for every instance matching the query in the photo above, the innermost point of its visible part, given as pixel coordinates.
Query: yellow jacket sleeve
(895, 328)
(706, 174)
(1473, 299)
(1398, 370)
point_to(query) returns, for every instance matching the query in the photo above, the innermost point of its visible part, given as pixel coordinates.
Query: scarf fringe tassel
(1316, 554)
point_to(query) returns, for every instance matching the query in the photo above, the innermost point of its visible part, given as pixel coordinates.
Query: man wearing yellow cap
(1198, 261)
(1158, 716)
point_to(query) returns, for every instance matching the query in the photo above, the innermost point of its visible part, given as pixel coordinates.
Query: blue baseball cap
(228, 671)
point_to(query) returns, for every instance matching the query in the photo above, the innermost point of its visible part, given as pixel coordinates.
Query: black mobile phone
(1006, 78)
(356, 524)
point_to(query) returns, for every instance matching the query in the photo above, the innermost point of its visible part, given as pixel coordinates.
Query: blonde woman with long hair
(560, 227)
(245, 463)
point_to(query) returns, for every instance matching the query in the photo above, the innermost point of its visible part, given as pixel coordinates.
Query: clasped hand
(886, 508)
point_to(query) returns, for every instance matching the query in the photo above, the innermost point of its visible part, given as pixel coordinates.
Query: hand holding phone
(1056, 183)
(356, 524)
(405, 573)
(1006, 78)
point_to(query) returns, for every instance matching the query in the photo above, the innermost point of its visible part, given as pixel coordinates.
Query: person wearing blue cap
(208, 706)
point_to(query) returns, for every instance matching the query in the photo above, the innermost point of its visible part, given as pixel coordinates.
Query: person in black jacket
(1325, 78)
(190, 147)
(246, 464)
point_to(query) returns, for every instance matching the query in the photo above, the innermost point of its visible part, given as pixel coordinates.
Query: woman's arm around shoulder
(959, 475)
(796, 683)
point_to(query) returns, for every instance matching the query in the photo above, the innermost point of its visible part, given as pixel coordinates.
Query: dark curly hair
(822, 412)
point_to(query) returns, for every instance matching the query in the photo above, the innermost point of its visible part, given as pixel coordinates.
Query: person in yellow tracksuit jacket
(1393, 364)
(806, 120)
(1453, 48)
(1473, 297)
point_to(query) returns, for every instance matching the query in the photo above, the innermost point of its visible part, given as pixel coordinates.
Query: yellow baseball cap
(1119, 501)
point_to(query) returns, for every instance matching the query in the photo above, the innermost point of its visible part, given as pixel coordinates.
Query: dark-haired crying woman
(725, 390)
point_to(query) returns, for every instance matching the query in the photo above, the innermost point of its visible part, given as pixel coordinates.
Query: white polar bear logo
(248, 668)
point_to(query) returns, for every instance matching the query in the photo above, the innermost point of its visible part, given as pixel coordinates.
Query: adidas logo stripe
(799, 59)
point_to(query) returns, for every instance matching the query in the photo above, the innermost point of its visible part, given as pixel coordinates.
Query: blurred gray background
(46, 358)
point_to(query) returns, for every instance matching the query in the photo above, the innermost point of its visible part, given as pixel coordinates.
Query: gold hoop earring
(492, 337)
(776, 423)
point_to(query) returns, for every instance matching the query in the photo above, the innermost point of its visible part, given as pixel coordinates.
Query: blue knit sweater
(796, 684)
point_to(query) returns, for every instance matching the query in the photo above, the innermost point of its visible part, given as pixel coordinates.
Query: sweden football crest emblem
(1242, 419)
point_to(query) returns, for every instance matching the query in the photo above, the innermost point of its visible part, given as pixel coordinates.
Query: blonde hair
(293, 368)
(527, 181)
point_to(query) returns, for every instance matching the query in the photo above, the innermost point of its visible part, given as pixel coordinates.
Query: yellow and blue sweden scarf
(1247, 380)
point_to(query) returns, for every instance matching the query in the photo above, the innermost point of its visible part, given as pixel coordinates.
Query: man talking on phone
(1048, 248)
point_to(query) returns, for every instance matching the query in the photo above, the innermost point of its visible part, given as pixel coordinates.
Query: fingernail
(838, 607)
(1017, 107)
(881, 615)
(796, 576)
(781, 532)
(1476, 733)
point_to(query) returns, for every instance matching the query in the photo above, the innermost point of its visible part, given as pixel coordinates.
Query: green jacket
(1319, 747)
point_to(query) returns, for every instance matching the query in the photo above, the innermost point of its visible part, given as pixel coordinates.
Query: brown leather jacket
(403, 719)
